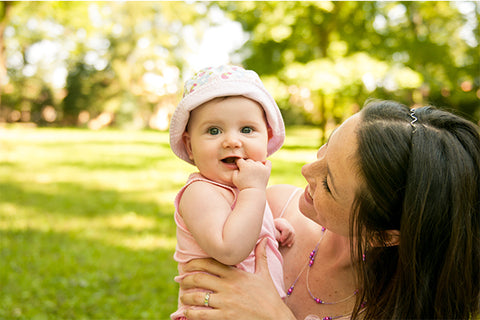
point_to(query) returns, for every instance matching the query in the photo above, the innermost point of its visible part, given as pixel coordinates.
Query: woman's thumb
(261, 263)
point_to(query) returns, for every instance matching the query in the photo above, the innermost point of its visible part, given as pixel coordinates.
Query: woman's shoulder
(279, 197)
(282, 188)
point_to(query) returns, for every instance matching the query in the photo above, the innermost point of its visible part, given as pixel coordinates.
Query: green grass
(86, 226)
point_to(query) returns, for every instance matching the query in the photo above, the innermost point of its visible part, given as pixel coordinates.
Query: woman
(398, 193)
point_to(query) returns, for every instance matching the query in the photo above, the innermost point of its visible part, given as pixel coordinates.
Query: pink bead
(327, 318)
(318, 300)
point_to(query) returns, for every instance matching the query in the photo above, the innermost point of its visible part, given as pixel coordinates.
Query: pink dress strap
(288, 201)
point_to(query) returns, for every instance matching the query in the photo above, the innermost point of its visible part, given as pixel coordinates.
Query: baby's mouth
(230, 160)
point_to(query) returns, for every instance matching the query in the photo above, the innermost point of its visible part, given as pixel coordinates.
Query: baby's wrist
(253, 189)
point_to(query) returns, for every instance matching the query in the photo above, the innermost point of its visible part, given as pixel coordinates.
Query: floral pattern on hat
(211, 74)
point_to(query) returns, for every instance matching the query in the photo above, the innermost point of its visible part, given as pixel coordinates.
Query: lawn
(86, 226)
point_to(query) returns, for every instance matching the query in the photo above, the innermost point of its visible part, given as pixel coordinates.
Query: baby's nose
(232, 141)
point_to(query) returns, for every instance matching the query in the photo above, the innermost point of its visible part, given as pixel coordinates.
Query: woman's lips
(307, 195)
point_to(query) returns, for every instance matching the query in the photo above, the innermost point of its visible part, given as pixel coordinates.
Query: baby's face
(223, 130)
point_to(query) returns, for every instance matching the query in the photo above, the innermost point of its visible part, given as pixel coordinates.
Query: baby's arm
(225, 234)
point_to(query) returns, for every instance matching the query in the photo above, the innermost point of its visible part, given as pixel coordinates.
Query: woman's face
(333, 180)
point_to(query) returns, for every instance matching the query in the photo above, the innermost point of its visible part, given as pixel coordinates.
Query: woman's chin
(306, 209)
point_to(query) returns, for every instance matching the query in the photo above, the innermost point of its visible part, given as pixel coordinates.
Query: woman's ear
(387, 238)
(187, 142)
(392, 238)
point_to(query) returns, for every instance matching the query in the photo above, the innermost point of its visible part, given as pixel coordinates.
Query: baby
(227, 124)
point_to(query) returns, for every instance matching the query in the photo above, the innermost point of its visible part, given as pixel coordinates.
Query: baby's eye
(247, 130)
(213, 131)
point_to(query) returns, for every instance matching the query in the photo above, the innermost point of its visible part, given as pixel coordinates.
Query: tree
(5, 11)
(106, 53)
(333, 55)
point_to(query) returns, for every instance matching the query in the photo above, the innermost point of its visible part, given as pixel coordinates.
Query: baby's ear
(270, 133)
(187, 142)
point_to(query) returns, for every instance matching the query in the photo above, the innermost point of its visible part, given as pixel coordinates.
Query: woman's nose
(305, 170)
(312, 170)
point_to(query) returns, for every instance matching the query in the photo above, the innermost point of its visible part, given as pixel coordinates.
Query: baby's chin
(225, 180)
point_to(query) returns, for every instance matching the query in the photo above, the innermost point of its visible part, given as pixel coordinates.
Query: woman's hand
(236, 294)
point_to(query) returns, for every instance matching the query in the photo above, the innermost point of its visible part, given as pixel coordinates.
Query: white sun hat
(222, 81)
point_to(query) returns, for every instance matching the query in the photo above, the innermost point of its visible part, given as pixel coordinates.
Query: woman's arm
(236, 294)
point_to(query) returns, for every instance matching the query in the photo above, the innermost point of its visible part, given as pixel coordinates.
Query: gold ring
(205, 301)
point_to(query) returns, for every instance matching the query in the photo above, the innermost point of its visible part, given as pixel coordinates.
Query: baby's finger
(290, 240)
(268, 164)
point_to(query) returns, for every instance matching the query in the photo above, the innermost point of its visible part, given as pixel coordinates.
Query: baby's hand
(285, 233)
(251, 174)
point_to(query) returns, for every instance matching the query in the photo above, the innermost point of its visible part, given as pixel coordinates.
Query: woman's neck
(336, 250)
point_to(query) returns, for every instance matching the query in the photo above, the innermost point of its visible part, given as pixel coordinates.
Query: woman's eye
(247, 130)
(325, 185)
(214, 131)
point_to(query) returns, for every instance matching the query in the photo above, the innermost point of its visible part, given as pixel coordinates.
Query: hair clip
(414, 119)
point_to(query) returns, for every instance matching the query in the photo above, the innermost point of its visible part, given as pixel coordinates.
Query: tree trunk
(4, 18)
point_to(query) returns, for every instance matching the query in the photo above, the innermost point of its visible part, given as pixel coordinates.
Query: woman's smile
(308, 196)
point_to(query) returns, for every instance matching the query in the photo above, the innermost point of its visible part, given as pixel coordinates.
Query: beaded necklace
(317, 300)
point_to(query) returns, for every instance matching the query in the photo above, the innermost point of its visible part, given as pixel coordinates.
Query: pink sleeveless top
(187, 248)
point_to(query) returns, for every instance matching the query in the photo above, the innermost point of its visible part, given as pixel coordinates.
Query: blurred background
(97, 64)
(87, 89)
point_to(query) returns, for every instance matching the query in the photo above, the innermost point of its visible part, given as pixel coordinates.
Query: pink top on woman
(188, 249)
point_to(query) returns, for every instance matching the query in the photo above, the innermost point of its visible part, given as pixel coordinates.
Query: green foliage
(322, 59)
(106, 49)
(343, 52)
(86, 228)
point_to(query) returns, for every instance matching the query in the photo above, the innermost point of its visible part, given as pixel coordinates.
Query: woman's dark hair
(423, 179)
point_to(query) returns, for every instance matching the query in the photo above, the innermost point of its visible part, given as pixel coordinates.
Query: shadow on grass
(107, 143)
(95, 156)
(48, 275)
(112, 163)
(75, 199)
